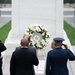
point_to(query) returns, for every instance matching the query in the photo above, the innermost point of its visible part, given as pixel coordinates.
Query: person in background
(56, 63)
(27, 36)
(23, 59)
(2, 48)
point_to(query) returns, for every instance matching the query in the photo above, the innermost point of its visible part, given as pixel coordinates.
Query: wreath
(39, 36)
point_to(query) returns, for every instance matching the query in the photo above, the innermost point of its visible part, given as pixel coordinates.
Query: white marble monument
(48, 13)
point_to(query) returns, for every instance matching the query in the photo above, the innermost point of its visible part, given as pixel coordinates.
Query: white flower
(39, 36)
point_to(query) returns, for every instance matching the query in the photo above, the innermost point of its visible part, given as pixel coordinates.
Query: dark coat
(2, 48)
(23, 60)
(56, 63)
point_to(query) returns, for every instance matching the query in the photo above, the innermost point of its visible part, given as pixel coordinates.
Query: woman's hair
(53, 45)
(63, 45)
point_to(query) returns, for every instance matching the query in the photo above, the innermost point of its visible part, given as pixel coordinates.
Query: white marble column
(15, 19)
(59, 18)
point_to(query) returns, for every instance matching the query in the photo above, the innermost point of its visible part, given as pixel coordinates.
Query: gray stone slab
(4, 20)
(70, 20)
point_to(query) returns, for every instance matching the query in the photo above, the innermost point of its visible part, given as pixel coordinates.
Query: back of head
(24, 42)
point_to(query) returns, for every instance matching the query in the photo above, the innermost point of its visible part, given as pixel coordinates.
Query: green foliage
(4, 31)
(70, 32)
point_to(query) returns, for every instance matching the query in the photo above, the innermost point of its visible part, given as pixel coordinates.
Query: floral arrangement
(39, 36)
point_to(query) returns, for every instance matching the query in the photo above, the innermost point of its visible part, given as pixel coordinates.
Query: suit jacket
(56, 63)
(23, 60)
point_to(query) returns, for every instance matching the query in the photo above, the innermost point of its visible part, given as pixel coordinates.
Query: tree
(5, 1)
(2, 1)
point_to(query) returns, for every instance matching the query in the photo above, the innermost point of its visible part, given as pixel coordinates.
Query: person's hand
(65, 46)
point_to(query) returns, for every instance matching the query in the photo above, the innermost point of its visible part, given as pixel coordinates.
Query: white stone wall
(48, 13)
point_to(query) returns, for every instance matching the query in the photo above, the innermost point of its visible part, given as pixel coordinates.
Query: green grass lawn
(4, 31)
(69, 30)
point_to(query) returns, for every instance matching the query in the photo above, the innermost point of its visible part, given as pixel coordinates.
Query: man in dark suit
(23, 59)
(56, 63)
(2, 48)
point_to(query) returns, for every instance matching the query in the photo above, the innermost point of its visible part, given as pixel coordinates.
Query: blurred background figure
(2, 48)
